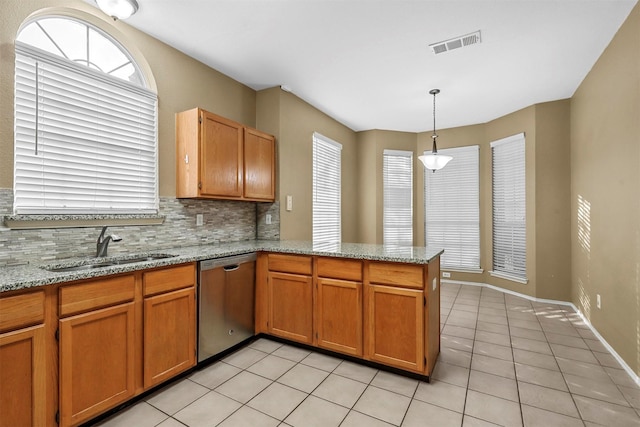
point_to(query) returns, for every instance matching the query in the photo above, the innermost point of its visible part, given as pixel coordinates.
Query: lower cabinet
(23, 377)
(379, 311)
(339, 315)
(169, 335)
(395, 327)
(291, 306)
(24, 389)
(97, 362)
(121, 335)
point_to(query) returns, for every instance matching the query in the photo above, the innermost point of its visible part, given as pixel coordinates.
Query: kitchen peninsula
(370, 302)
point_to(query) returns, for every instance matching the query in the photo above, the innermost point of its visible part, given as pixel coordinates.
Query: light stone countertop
(33, 275)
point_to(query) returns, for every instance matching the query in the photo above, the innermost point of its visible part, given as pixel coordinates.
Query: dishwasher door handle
(231, 267)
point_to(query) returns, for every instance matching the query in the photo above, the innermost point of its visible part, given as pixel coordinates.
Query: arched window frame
(115, 136)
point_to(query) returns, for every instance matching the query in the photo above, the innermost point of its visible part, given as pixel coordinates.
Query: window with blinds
(397, 216)
(85, 140)
(452, 209)
(326, 189)
(508, 198)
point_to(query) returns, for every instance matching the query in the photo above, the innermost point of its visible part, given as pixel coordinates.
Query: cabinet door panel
(339, 314)
(395, 330)
(259, 170)
(169, 335)
(291, 306)
(97, 360)
(221, 167)
(23, 378)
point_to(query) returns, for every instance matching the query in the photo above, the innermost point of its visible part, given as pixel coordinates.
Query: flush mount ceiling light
(434, 161)
(118, 9)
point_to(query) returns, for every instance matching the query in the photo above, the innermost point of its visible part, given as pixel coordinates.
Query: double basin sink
(99, 263)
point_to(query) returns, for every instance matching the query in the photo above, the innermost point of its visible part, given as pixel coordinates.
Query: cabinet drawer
(339, 268)
(389, 273)
(22, 310)
(96, 294)
(296, 264)
(168, 279)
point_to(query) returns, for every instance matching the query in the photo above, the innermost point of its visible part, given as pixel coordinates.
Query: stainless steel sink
(83, 265)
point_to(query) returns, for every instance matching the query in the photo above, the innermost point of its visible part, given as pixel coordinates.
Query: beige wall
(182, 82)
(553, 201)
(297, 122)
(605, 192)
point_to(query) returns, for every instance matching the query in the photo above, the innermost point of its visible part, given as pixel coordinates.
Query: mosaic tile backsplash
(224, 221)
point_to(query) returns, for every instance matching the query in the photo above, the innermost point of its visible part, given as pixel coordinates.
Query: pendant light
(434, 161)
(118, 9)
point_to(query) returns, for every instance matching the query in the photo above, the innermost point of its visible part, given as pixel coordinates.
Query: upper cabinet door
(259, 168)
(221, 162)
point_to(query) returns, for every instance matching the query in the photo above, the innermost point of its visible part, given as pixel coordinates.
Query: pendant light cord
(434, 136)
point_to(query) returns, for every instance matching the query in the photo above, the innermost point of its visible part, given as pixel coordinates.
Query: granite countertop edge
(34, 275)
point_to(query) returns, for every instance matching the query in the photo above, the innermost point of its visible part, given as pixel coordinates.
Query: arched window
(85, 124)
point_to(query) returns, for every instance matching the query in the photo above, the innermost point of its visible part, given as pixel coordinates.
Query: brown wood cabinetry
(23, 361)
(395, 315)
(284, 296)
(218, 158)
(169, 323)
(97, 347)
(121, 335)
(339, 305)
(385, 312)
(395, 327)
(290, 297)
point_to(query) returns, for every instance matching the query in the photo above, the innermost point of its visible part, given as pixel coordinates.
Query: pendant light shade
(434, 161)
(118, 9)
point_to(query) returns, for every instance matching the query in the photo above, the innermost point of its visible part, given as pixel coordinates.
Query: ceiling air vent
(456, 43)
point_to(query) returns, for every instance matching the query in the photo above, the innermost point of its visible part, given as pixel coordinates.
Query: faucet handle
(115, 238)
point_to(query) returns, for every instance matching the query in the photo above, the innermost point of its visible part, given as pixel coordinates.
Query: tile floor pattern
(504, 361)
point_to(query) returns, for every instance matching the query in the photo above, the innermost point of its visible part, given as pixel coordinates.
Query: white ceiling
(367, 63)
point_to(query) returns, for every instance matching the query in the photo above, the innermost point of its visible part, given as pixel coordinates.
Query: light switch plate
(289, 203)
(268, 219)
(199, 220)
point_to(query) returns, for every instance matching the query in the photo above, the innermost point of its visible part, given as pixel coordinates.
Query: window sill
(462, 270)
(510, 277)
(24, 222)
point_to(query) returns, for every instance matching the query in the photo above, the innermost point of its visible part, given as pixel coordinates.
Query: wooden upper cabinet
(218, 158)
(221, 163)
(259, 170)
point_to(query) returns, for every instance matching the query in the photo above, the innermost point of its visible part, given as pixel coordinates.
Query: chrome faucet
(103, 242)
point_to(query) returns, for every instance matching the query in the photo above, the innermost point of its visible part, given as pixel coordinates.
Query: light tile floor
(504, 361)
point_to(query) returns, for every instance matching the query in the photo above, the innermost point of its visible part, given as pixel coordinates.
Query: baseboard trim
(619, 359)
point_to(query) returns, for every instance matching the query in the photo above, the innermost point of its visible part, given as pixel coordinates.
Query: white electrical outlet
(289, 203)
(199, 220)
(446, 274)
(435, 283)
(598, 301)
(268, 219)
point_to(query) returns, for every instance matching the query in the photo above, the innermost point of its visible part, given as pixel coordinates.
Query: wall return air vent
(456, 43)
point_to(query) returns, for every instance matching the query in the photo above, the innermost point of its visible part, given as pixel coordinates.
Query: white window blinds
(452, 208)
(85, 142)
(397, 170)
(508, 197)
(326, 189)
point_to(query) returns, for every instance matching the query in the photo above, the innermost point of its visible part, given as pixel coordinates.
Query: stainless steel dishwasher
(226, 289)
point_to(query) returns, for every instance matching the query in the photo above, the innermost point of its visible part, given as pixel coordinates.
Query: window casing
(452, 209)
(397, 224)
(509, 208)
(326, 189)
(85, 140)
